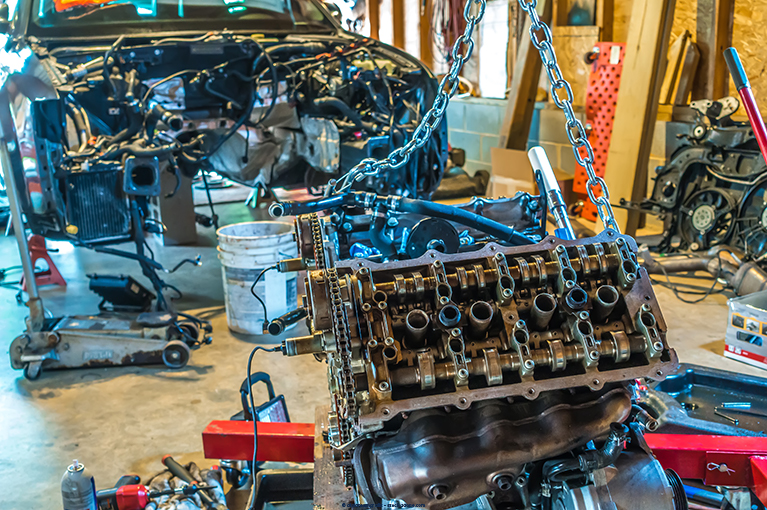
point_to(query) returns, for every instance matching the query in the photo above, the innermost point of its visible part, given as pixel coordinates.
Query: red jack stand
(37, 251)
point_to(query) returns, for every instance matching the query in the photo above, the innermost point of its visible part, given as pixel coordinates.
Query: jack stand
(38, 251)
(161, 336)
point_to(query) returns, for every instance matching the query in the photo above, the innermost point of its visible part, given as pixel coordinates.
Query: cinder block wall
(474, 124)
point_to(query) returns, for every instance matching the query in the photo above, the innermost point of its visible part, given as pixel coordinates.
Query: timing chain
(318, 245)
(576, 133)
(347, 406)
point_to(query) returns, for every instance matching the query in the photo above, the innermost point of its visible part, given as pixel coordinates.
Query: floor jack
(109, 338)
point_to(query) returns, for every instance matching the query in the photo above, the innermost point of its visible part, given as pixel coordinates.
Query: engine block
(561, 327)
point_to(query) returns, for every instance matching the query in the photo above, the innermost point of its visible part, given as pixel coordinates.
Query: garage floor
(123, 420)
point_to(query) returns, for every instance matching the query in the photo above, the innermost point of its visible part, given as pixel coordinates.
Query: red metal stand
(278, 442)
(38, 251)
(732, 461)
(601, 98)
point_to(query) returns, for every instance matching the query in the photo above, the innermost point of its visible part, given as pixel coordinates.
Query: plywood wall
(685, 15)
(748, 36)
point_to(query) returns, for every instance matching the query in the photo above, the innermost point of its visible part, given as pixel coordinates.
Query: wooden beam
(605, 19)
(374, 15)
(427, 52)
(561, 9)
(713, 36)
(637, 108)
(524, 86)
(398, 20)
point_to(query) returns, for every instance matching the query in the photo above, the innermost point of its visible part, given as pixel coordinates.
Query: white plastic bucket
(246, 249)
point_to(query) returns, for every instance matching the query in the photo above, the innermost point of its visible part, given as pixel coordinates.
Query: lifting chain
(540, 35)
(561, 93)
(462, 50)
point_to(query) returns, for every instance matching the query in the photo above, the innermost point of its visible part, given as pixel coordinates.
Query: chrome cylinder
(480, 317)
(417, 324)
(604, 301)
(543, 309)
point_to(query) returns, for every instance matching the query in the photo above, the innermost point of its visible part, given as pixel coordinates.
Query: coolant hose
(469, 219)
(80, 126)
(324, 104)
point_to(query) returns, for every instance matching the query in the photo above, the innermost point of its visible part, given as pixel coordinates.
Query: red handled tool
(747, 97)
(137, 497)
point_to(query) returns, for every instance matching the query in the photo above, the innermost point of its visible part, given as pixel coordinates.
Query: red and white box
(746, 338)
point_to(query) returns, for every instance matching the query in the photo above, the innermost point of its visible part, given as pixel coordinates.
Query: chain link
(562, 95)
(461, 52)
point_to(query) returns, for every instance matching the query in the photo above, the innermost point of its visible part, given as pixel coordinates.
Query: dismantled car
(104, 97)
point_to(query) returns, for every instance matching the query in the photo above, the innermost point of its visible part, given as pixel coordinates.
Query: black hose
(333, 104)
(135, 149)
(289, 208)
(79, 121)
(469, 219)
(134, 126)
(590, 461)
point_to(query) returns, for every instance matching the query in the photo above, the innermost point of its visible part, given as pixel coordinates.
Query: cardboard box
(746, 338)
(512, 172)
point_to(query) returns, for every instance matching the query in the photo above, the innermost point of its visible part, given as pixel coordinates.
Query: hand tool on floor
(181, 473)
(137, 496)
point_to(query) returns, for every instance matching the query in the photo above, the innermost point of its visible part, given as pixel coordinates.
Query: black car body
(101, 98)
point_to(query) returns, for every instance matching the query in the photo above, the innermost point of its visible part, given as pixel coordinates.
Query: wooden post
(374, 15)
(524, 86)
(398, 21)
(605, 19)
(637, 108)
(427, 52)
(561, 9)
(713, 36)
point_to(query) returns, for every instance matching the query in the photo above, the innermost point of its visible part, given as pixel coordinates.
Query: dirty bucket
(246, 249)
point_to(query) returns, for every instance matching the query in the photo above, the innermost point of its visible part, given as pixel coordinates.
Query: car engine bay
(261, 111)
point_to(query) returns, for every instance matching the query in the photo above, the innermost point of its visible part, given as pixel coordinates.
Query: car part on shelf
(711, 192)
(434, 361)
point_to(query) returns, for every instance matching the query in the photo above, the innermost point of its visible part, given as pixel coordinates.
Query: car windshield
(63, 18)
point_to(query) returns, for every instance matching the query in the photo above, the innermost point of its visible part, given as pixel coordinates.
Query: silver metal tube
(605, 300)
(543, 309)
(417, 324)
(480, 317)
(540, 163)
(36, 311)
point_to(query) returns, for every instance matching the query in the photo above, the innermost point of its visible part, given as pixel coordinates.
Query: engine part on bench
(711, 192)
(453, 375)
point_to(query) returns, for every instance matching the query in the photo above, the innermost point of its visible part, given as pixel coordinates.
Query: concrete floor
(123, 420)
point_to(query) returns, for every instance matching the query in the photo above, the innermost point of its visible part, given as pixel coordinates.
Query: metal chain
(462, 50)
(596, 186)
